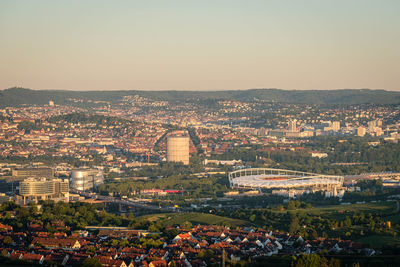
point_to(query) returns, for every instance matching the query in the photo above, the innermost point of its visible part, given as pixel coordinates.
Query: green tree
(314, 234)
(206, 254)
(171, 233)
(153, 228)
(91, 262)
(291, 205)
(8, 240)
(294, 225)
(334, 262)
(4, 253)
(312, 260)
(123, 243)
(114, 242)
(186, 225)
(90, 250)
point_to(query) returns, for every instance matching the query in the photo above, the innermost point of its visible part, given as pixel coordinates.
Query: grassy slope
(378, 241)
(341, 211)
(195, 218)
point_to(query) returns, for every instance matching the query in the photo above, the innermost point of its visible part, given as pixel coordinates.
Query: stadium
(267, 178)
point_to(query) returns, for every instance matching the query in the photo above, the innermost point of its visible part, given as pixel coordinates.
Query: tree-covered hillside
(19, 96)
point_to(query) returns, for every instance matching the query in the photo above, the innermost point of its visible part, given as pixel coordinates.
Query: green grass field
(377, 241)
(341, 211)
(394, 218)
(195, 218)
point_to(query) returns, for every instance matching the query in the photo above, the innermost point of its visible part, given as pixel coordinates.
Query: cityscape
(198, 133)
(198, 191)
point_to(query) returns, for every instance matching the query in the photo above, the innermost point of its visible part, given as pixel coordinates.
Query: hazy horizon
(200, 45)
(204, 90)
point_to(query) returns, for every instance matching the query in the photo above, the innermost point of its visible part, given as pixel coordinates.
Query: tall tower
(336, 126)
(178, 149)
(371, 125)
(361, 131)
(292, 126)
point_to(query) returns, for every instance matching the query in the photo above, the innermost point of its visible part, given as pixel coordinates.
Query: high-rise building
(36, 189)
(336, 126)
(361, 131)
(292, 126)
(178, 149)
(86, 179)
(371, 125)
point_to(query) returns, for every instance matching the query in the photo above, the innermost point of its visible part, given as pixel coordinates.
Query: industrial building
(36, 189)
(267, 178)
(33, 172)
(86, 179)
(178, 149)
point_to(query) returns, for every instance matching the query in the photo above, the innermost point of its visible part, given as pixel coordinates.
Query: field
(394, 218)
(338, 212)
(195, 218)
(341, 211)
(385, 210)
(378, 241)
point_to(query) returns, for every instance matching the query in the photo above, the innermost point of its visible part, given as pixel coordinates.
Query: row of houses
(116, 247)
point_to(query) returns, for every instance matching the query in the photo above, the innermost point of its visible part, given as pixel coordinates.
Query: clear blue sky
(200, 45)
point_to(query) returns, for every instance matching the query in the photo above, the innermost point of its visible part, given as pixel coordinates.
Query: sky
(199, 45)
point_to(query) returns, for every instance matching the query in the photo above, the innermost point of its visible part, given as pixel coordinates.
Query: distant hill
(14, 97)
